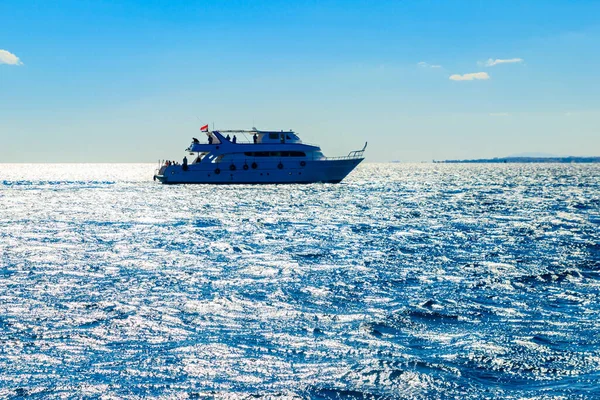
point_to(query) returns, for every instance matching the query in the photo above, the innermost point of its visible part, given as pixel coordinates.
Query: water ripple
(404, 281)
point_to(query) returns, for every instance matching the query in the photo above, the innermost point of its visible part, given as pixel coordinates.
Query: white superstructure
(271, 157)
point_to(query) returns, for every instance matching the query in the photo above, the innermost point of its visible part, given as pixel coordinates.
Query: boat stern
(160, 178)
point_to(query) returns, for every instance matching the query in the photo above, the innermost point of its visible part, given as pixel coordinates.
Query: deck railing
(351, 156)
(252, 142)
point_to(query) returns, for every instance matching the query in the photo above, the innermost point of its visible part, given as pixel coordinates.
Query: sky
(133, 81)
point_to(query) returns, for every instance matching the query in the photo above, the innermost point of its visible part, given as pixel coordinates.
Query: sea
(411, 281)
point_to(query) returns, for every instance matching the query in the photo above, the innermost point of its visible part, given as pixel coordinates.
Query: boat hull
(260, 172)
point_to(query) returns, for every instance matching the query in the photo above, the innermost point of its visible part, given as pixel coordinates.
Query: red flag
(204, 128)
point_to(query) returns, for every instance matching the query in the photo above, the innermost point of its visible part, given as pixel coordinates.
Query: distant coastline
(506, 160)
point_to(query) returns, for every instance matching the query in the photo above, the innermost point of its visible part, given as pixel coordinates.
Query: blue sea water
(403, 281)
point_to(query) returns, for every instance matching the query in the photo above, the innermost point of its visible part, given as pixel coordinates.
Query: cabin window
(257, 153)
(274, 136)
(275, 154)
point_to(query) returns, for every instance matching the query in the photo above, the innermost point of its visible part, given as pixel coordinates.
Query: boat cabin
(277, 137)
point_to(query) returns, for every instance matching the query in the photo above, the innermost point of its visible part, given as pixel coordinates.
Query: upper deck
(228, 140)
(265, 137)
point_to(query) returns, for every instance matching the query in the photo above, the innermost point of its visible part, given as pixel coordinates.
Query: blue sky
(113, 81)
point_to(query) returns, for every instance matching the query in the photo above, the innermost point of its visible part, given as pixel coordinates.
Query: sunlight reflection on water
(405, 280)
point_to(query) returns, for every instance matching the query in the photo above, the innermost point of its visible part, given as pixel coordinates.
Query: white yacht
(271, 157)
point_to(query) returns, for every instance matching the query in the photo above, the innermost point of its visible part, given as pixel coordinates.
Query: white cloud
(6, 57)
(427, 65)
(469, 77)
(490, 62)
